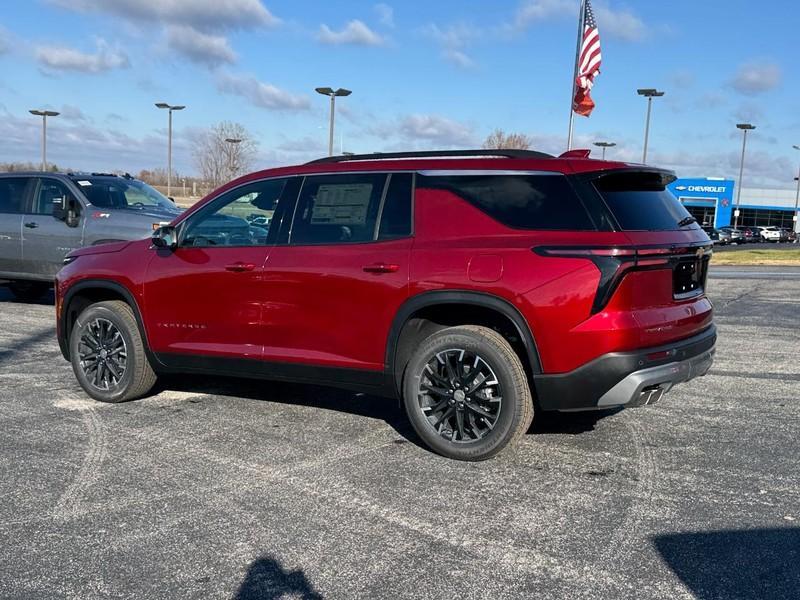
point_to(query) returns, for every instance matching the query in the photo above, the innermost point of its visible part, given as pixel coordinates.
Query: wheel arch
(90, 291)
(401, 341)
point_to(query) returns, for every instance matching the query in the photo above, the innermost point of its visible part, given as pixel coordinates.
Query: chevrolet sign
(707, 189)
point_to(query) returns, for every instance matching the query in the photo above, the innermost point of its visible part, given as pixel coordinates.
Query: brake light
(614, 262)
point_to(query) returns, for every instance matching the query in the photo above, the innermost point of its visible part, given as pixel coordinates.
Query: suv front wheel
(108, 355)
(466, 393)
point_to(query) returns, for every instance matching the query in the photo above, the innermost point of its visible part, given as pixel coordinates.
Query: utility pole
(326, 91)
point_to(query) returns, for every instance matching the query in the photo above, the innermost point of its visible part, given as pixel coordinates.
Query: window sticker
(338, 204)
(84, 182)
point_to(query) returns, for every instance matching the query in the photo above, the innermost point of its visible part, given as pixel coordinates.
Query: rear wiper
(686, 221)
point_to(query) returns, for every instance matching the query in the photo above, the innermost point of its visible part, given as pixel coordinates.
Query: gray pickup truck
(43, 216)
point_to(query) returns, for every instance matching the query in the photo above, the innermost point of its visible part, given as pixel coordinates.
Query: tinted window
(641, 201)
(118, 192)
(241, 217)
(518, 201)
(49, 190)
(12, 194)
(336, 209)
(396, 212)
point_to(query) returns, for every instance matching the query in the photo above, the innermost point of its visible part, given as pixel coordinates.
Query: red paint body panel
(318, 305)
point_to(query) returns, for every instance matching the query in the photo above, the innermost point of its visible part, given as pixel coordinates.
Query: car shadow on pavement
(47, 299)
(363, 405)
(266, 579)
(744, 564)
(9, 353)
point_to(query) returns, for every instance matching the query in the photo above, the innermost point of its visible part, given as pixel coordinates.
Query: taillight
(614, 262)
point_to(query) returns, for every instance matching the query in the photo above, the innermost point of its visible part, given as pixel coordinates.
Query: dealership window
(705, 215)
(338, 209)
(752, 217)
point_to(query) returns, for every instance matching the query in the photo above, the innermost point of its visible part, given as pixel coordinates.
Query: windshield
(116, 192)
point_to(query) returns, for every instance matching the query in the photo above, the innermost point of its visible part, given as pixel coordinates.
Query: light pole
(169, 142)
(232, 142)
(796, 197)
(605, 145)
(326, 91)
(745, 127)
(648, 93)
(44, 114)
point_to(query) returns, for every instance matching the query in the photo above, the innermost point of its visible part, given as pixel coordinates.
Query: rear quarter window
(545, 201)
(640, 201)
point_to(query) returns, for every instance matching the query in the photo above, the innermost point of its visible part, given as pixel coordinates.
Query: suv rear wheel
(107, 353)
(466, 393)
(28, 291)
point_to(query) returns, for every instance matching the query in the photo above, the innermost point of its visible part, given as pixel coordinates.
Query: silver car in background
(44, 216)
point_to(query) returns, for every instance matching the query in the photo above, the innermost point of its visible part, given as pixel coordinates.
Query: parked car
(478, 289)
(43, 216)
(724, 237)
(735, 236)
(712, 233)
(752, 235)
(792, 236)
(773, 234)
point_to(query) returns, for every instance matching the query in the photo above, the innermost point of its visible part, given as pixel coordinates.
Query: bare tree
(224, 152)
(500, 140)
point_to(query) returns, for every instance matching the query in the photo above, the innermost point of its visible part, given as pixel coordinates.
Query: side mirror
(165, 237)
(60, 208)
(171, 199)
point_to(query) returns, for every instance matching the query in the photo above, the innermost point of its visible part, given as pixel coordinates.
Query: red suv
(476, 286)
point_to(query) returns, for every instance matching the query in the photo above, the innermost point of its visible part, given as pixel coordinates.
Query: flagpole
(581, 17)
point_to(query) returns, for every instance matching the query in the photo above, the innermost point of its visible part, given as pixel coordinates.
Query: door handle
(31, 225)
(381, 268)
(240, 267)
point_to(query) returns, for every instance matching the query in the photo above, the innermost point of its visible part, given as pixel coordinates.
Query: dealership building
(712, 201)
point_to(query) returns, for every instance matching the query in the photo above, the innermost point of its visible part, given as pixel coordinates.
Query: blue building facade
(710, 200)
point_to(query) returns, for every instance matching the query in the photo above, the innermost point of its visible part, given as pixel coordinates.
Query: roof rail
(433, 154)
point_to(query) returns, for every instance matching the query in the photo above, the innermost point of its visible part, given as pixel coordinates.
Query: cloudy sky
(424, 75)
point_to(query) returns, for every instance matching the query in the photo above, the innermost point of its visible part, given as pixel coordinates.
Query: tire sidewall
(509, 411)
(87, 316)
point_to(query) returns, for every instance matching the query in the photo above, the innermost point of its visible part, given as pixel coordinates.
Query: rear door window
(546, 201)
(640, 201)
(49, 190)
(12, 194)
(338, 209)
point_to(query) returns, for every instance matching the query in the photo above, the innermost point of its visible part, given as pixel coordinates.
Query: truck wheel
(466, 393)
(108, 355)
(28, 291)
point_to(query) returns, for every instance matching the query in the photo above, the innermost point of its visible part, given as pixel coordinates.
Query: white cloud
(263, 95)
(385, 14)
(755, 77)
(421, 130)
(458, 58)
(617, 23)
(199, 47)
(206, 15)
(454, 39)
(355, 32)
(61, 58)
(621, 24)
(72, 113)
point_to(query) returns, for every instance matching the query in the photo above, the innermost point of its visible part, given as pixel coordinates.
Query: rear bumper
(628, 378)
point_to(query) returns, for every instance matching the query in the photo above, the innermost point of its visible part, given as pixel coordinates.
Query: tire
(94, 333)
(478, 437)
(28, 291)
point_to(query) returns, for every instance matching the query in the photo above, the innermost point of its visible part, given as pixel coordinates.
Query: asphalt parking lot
(228, 489)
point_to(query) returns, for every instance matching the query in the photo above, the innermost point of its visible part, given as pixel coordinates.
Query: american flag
(588, 60)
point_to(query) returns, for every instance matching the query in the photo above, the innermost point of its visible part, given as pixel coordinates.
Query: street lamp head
(233, 140)
(605, 144)
(167, 106)
(44, 113)
(325, 91)
(745, 126)
(342, 92)
(162, 105)
(796, 147)
(649, 93)
(179, 107)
